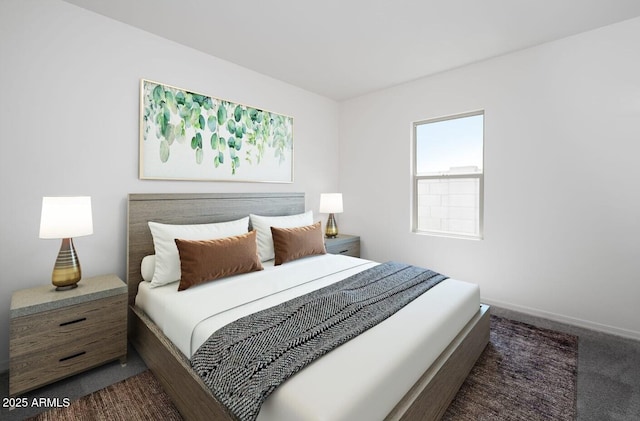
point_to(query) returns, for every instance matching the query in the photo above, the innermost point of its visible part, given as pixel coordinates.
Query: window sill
(448, 235)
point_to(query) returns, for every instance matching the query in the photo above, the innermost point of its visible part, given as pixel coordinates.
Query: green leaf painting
(185, 135)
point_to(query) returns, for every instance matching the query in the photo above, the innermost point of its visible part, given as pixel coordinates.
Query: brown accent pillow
(203, 261)
(295, 243)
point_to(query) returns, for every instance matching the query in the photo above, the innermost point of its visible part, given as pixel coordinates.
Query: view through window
(448, 175)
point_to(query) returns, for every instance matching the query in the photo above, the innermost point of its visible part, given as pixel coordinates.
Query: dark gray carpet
(608, 370)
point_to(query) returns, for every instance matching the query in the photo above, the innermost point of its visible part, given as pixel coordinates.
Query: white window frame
(444, 176)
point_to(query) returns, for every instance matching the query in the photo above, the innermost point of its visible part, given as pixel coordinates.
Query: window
(448, 175)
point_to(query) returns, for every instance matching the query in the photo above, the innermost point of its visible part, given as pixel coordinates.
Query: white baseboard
(587, 324)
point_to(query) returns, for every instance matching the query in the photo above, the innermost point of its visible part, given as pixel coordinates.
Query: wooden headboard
(199, 208)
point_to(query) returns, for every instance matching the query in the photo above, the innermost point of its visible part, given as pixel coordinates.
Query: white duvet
(362, 379)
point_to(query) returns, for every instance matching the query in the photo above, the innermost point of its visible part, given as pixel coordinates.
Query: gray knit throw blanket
(246, 360)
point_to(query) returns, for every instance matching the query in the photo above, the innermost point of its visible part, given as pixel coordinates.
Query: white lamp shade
(331, 203)
(66, 217)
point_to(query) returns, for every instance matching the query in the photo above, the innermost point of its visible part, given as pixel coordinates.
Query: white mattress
(362, 379)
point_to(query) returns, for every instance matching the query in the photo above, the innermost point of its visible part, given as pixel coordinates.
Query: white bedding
(362, 379)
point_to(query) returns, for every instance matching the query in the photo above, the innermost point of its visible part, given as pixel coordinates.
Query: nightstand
(55, 334)
(348, 245)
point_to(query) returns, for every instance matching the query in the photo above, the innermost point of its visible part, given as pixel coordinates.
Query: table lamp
(331, 203)
(66, 217)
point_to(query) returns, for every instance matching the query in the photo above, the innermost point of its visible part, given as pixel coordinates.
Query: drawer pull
(343, 251)
(73, 321)
(72, 356)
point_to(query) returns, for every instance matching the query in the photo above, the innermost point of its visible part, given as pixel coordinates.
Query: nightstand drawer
(41, 331)
(346, 249)
(347, 245)
(31, 370)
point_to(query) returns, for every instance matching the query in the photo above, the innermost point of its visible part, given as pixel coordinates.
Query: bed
(167, 353)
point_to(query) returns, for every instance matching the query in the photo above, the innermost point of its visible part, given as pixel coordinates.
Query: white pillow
(148, 267)
(167, 268)
(263, 225)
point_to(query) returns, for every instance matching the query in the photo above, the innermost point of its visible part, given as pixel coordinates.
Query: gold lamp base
(66, 272)
(332, 228)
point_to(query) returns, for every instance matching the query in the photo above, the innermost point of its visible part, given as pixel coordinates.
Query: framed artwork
(189, 136)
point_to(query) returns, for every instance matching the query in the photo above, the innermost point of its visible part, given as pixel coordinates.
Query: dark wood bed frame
(428, 399)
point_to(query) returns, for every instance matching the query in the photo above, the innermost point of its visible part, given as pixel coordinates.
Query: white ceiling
(344, 48)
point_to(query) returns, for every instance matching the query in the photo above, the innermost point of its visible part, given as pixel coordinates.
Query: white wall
(69, 101)
(562, 167)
